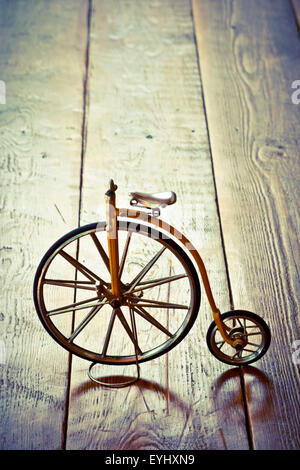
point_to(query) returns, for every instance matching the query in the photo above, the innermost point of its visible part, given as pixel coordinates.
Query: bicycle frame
(112, 214)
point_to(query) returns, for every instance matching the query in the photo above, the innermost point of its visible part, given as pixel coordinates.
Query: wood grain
(146, 129)
(40, 146)
(100, 90)
(249, 57)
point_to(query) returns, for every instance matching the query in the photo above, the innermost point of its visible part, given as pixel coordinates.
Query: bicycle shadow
(252, 379)
(161, 406)
(256, 388)
(141, 385)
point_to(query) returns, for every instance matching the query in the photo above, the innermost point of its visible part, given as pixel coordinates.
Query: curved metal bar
(128, 382)
(145, 217)
(112, 385)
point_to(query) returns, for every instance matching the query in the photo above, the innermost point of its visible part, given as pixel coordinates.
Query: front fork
(223, 329)
(112, 239)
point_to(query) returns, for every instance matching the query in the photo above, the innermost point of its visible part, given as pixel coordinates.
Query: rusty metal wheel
(159, 286)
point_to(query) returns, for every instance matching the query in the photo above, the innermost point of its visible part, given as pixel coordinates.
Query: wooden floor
(194, 97)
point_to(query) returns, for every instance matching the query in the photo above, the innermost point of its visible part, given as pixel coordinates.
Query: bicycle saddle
(152, 200)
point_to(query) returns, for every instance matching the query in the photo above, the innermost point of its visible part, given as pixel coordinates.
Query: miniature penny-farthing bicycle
(137, 299)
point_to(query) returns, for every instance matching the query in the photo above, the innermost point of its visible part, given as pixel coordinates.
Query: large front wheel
(160, 294)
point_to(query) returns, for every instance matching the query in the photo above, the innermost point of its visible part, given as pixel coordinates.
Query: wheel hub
(104, 291)
(115, 303)
(237, 335)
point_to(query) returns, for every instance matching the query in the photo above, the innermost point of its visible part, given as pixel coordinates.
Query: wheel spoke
(252, 326)
(73, 284)
(133, 325)
(76, 306)
(221, 343)
(143, 313)
(100, 250)
(129, 234)
(144, 271)
(157, 282)
(249, 350)
(253, 334)
(85, 322)
(108, 333)
(157, 303)
(253, 344)
(127, 328)
(79, 266)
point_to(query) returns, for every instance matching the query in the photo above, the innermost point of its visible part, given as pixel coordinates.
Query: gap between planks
(231, 300)
(85, 103)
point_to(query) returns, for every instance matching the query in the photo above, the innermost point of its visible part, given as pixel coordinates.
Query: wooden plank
(40, 127)
(249, 59)
(146, 129)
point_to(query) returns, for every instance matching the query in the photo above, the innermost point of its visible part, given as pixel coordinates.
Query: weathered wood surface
(40, 145)
(146, 129)
(248, 63)
(100, 90)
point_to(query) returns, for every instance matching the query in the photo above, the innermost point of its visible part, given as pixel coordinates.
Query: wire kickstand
(129, 382)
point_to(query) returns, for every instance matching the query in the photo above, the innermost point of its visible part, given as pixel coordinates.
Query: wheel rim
(73, 322)
(251, 333)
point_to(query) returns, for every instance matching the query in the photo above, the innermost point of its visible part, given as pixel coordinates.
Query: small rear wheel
(252, 331)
